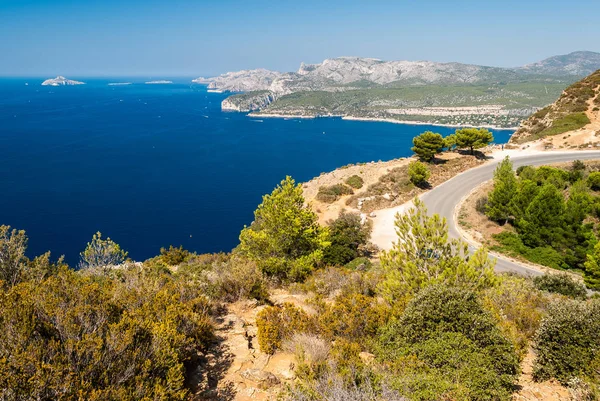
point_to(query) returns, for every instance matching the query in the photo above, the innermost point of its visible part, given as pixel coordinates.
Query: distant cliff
(250, 101)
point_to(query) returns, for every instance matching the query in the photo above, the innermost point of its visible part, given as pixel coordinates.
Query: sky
(152, 38)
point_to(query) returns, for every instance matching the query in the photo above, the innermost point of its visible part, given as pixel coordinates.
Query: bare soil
(386, 184)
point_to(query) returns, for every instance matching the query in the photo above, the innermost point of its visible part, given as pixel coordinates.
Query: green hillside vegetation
(554, 215)
(374, 101)
(566, 114)
(424, 321)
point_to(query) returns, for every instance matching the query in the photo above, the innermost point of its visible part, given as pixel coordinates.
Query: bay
(154, 165)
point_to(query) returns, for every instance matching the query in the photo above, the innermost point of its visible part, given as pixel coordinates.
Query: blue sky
(193, 38)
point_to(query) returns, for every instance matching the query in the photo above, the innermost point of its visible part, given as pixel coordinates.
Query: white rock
(61, 81)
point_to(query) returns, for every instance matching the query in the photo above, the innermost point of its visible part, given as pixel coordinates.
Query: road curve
(444, 198)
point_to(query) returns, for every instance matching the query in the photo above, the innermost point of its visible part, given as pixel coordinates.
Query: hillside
(414, 91)
(572, 121)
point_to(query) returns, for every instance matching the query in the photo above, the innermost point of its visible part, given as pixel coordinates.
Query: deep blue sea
(154, 165)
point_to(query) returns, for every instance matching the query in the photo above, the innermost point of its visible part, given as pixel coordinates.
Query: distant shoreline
(382, 120)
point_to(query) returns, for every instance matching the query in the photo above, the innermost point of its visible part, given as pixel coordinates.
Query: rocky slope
(352, 72)
(61, 81)
(573, 120)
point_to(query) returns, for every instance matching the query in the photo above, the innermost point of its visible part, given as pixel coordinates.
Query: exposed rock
(339, 73)
(248, 101)
(61, 81)
(264, 379)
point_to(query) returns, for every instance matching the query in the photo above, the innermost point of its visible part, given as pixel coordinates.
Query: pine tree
(526, 192)
(424, 255)
(505, 188)
(427, 145)
(544, 218)
(592, 269)
(473, 138)
(285, 238)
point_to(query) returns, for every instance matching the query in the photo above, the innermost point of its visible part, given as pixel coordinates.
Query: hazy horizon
(185, 38)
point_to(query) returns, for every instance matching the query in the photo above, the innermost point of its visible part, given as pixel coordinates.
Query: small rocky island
(61, 81)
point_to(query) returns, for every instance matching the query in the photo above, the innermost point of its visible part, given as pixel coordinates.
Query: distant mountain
(580, 63)
(407, 91)
(351, 72)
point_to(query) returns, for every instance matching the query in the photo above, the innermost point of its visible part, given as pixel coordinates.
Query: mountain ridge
(405, 91)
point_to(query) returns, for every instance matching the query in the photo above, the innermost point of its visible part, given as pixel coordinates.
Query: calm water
(153, 165)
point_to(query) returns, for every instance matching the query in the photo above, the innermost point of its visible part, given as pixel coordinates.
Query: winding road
(444, 198)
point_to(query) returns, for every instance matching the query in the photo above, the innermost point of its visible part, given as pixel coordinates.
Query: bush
(348, 237)
(568, 341)
(102, 254)
(362, 263)
(447, 346)
(519, 308)
(562, 284)
(481, 204)
(174, 256)
(355, 182)
(275, 324)
(329, 194)
(353, 317)
(418, 173)
(236, 279)
(594, 180)
(85, 336)
(512, 244)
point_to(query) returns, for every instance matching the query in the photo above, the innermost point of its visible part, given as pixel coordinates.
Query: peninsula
(405, 91)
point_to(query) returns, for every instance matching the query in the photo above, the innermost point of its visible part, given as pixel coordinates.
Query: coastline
(374, 119)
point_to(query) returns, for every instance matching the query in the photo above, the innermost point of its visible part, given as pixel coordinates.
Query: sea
(156, 165)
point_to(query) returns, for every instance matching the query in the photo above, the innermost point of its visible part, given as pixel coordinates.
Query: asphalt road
(444, 198)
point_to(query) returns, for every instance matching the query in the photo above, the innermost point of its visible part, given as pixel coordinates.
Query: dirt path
(239, 370)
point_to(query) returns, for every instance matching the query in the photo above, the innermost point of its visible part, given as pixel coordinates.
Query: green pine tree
(592, 269)
(427, 145)
(526, 192)
(285, 238)
(424, 255)
(543, 222)
(505, 188)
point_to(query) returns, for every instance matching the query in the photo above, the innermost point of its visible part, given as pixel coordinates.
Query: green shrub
(174, 256)
(353, 317)
(512, 244)
(361, 263)
(519, 308)
(460, 352)
(355, 182)
(594, 180)
(568, 341)
(278, 323)
(561, 284)
(348, 237)
(329, 194)
(418, 173)
(79, 335)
